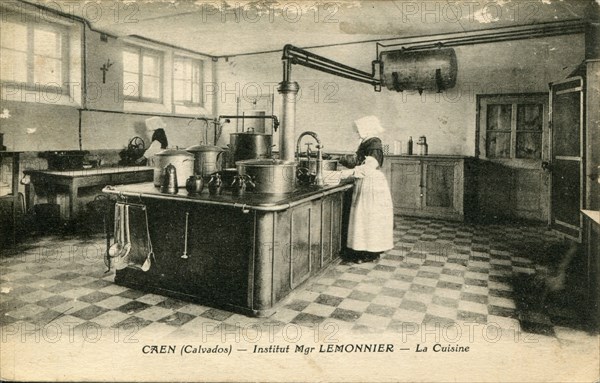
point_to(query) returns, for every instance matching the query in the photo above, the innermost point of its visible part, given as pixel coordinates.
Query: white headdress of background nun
(154, 123)
(368, 126)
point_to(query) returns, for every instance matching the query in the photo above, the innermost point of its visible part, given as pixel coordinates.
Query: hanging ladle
(185, 256)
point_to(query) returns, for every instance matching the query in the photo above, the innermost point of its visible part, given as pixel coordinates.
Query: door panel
(440, 185)
(406, 178)
(565, 188)
(565, 124)
(528, 186)
(566, 106)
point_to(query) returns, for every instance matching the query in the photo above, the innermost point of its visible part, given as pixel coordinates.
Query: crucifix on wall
(104, 69)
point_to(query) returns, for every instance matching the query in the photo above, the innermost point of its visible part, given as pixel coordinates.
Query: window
(35, 55)
(511, 127)
(187, 81)
(142, 75)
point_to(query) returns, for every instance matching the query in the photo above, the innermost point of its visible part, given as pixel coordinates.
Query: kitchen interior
(491, 144)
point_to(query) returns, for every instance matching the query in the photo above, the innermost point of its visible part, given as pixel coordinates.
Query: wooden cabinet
(431, 186)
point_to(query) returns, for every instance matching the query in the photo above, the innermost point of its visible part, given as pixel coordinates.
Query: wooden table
(73, 180)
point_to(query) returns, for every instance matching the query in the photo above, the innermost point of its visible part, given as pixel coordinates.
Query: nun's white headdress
(368, 126)
(154, 123)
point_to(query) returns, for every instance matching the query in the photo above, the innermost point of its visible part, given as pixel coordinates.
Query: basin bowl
(269, 175)
(328, 165)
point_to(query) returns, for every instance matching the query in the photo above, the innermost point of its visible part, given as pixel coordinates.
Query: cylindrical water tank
(418, 70)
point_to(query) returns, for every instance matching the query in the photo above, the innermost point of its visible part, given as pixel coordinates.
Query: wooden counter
(436, 186)
(245, 254)
(53, 181)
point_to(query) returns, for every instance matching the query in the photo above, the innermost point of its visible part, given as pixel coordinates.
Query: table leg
(73, 190)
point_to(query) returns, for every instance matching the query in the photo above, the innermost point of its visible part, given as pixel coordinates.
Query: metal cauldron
(250, 145)
(207, 159)
(182, 161)
(269, 176)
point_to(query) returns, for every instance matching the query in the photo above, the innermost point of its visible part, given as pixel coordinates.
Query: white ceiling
(225, 28)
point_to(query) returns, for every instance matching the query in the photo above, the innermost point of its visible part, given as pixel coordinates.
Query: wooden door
(566, 164)
(513, 142)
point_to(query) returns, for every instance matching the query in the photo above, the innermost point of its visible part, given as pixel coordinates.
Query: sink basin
(328, 165)
(270, 176)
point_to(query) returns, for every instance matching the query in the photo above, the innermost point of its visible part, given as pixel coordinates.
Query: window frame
(200, 79)
(515, 100)
(65, 59)
(140, 51)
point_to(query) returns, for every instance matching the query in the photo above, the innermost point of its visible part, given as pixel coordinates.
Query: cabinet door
(405, 184)
(442, 186)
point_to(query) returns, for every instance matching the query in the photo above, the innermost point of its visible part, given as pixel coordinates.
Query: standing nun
(158, 142)
(371, 222)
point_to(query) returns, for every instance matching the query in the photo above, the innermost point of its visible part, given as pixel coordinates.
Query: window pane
(196, 93)
(499, 116)
(14, 66)
(46, 43)
(131, 62)
(529, 145)
(47, 71)
(13, 36)
(151, 87)
(182, 69)
(178, 69)
(150, 65)
(178, 93)
(498, 145)
(130, 85)
(530, 117)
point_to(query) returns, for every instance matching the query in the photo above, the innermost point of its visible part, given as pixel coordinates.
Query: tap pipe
(272, 117)
(307, 133)
(206, 121)
(319, 173)
(294, 55)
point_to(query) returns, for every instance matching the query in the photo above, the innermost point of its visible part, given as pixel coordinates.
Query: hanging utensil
(127, 246)
(115, 248)
(185, 256)
(148, 263)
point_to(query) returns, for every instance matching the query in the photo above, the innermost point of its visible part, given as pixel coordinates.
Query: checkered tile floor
(439, 272)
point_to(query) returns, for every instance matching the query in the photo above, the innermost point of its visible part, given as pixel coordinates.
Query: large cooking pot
(269, 176)
(207, 159)
(250, 145)
(182, 160)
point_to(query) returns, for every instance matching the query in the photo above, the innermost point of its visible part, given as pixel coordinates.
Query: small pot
(182, 161)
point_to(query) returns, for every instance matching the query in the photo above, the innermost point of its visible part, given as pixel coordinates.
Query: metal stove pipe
(289, 91)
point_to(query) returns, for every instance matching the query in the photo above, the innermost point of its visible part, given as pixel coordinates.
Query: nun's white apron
(371, 225)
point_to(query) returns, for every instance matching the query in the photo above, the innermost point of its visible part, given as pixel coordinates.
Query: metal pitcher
(169, 180)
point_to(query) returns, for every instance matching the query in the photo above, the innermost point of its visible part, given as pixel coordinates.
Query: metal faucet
(319, 176)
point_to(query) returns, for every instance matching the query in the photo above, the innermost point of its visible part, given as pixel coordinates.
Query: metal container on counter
(207, 159)
(269, 176)
(182, 161)
(311, 165)
(250, 145)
